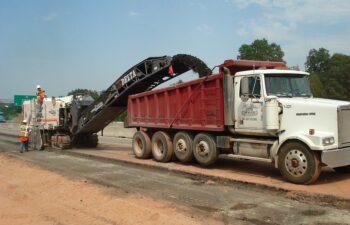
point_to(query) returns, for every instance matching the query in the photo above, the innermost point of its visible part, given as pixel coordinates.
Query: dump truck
(249, 110)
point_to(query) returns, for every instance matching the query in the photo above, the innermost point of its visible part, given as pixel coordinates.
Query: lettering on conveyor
(128, 77)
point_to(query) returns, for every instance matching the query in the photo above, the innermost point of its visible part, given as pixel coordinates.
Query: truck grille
(344, 126)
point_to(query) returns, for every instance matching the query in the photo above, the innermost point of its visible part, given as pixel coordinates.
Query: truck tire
(141, 145)
(162, 147)
(183, 147)
(342, 169)
(298, 164)
(204, 149)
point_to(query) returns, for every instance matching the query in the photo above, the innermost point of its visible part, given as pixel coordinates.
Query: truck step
(253, 141)
(233, 156)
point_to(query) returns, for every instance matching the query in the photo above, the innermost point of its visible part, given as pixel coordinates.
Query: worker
(40, 94)
(24, 136)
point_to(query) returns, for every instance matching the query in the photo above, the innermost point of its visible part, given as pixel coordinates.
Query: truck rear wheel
(162, 147)
(204, 149)
(141, 145)
(183, 145)
(298, 164)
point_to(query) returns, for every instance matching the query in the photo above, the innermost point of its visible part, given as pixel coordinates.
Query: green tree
(317, 61)
(10, 110)
(261, 50)
(336, 78)
(317, 87)
(94, 94)
(122, 116)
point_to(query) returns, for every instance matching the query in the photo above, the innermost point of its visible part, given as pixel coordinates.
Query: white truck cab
(276, 118)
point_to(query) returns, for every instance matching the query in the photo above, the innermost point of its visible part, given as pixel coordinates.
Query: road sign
(19, 99)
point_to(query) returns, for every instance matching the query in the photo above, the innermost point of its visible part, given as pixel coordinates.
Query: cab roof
(271, 71)
(248, 67)
(241, 65)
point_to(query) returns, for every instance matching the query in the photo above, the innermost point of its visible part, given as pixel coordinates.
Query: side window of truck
(254, 87)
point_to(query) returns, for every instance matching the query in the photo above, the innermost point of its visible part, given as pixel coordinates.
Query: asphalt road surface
(204, 200)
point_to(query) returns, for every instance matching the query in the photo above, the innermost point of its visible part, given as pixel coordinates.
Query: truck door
(249, 105)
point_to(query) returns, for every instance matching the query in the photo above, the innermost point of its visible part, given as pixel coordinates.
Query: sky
(67, 44)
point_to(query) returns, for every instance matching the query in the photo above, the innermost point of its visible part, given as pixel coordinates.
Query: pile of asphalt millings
(183, 63)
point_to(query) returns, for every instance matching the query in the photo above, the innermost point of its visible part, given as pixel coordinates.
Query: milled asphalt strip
(306, 197)
(302, 196)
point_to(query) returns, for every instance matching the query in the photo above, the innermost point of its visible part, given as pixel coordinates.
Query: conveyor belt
(144, 76)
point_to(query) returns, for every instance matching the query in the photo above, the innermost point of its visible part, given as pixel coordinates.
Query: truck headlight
(328, 141)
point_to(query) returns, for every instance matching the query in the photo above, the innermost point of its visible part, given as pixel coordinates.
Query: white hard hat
(38, 86)
(24, 121)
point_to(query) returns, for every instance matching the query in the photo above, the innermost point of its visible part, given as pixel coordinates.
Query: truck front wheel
(141, 145)
(183, 145)
(162, 147)
(298, 164)
(204, 149)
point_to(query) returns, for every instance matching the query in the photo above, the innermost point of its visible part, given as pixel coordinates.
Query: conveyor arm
(144, 76)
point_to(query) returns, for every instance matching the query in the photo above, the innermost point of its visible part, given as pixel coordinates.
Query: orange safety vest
(23, 133)
(23, 139)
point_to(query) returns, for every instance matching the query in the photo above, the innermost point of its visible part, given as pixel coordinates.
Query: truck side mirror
(245, 89)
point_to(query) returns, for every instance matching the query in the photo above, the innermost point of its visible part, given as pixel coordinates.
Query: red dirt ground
(33, 196)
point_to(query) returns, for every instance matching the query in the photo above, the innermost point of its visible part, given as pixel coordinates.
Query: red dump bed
(194, 105)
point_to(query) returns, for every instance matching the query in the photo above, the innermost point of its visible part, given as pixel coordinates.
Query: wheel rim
(138, 145)
(181, 146)
(158, 148)
(296, 163)
(202, 149)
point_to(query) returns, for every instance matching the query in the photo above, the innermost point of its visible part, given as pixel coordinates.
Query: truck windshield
(287, 85)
